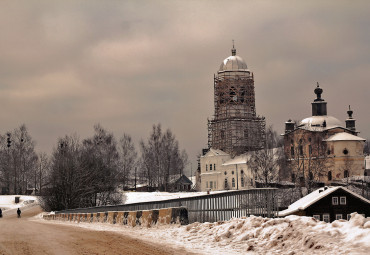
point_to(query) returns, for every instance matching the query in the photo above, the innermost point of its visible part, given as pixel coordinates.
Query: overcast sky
(67, 65)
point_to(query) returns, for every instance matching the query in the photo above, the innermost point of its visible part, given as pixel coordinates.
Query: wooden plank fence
(207, 208)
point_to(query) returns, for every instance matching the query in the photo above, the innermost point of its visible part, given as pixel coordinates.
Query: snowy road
(24, 236)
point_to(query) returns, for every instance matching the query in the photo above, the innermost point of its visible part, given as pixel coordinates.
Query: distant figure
(19, 213)
(1, 213)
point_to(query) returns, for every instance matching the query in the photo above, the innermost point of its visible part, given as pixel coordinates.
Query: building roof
(215, 152)
(241, 159)
(316, 123)
(343, 136)
(233, 63)
(313, 197)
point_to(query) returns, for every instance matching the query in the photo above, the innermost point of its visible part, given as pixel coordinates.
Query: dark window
(226, 183)
(300, 150)
(346, 174)
(329, 176)
(242, 181)
(210, 167)
(232, 172)
(310, 149)
(292, 151)
(326, 218)
(345, 151)
(206, 167)
(241, 171)
(343, 200)
(225, 173)
(214, 167)
(233, 182)
(334, 200)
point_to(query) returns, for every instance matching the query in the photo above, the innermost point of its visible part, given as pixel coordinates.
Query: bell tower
(235, 127)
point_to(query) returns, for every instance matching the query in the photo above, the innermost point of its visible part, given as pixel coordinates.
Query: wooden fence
(207, 208)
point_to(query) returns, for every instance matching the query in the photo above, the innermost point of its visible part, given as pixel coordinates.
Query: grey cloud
(66, 65)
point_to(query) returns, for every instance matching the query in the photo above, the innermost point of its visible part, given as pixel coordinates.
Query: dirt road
(22, 236)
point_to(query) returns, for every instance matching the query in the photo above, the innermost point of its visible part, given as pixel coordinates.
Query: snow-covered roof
(315, 123)
(343, 136)
(241, 159)
(313, 197)
(215, 152)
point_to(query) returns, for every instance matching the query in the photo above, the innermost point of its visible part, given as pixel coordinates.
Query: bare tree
(161, 157)
(41, 175)
(18, 159)
(128, 158)
(265, 163)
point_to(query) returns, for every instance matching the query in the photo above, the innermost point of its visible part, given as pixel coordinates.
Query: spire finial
(233, 50)
(349, 112)
(318, 92)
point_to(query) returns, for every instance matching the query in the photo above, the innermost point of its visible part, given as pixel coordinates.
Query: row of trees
(20, 166)
(88, 172)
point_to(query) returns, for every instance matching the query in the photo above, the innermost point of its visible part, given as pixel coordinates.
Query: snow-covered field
(252, 235)
(138, 197)
(8, 205)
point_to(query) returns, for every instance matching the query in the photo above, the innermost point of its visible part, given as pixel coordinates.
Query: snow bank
(291, 235)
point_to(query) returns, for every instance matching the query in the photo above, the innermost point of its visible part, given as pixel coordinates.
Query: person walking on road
(19, 213)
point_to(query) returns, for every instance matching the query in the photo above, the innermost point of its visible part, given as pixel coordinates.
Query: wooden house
(329, 204)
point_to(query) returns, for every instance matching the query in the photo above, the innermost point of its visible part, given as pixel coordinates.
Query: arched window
(300, 150)
(233, 182)
(329, 176)
(210, 167)
(346, 174)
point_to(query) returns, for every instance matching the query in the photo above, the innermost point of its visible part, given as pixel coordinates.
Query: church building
(234, 130)
(320, 149)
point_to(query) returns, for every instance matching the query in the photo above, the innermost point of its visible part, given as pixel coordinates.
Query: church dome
(233, 63)
(320, 121)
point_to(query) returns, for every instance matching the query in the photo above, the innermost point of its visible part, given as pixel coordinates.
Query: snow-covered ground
(252, 235)
(138, 197)
(8, 205)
